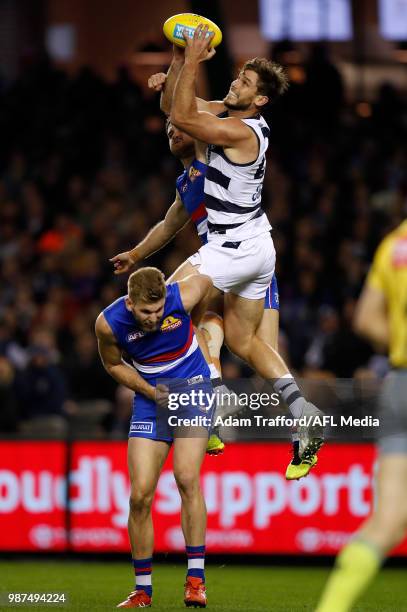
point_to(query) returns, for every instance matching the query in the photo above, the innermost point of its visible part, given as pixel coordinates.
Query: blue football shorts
(189, 411)
(271, 301)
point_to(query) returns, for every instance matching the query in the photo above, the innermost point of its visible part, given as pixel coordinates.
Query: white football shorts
(244, 268)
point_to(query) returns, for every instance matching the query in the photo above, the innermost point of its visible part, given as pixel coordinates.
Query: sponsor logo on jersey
(195, 379)
(144, 426)
(170, 323)
(135, 336)
(194, 173)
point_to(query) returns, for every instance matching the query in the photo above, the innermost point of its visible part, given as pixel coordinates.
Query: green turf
(100, 586)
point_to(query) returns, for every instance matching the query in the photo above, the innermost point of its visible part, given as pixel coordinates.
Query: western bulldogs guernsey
(233, 191)
(171, 352)
(190, 186)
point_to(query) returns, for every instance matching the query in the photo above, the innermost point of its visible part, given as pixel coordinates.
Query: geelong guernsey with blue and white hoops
(233, 191)
(190, 186)
(171, 351)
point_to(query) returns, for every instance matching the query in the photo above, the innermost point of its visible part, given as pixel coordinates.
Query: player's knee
(187, 481)
(238, 346)
(212, 328)
(141, 499)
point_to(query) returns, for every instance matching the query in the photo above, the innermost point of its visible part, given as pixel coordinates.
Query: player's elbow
(184, 121)
(110, 369)
(177, 118)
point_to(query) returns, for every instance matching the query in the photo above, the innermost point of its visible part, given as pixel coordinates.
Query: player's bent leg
(215, 444)
(361, 559)
(188, 456)
(268, 332)
(145, 460)
(211, 326)
(268, 328)
(242, 317)
(299, 466)
(184, 270)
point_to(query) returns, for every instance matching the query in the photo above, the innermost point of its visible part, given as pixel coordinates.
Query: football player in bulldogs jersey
(152, 326)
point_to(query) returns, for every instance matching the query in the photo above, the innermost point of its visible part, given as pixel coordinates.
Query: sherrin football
(174, 27)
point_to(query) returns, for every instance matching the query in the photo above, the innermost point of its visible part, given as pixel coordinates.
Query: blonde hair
(146, 285)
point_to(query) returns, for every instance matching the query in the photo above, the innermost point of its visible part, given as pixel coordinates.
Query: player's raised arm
(194, 289)
(175, 219)
(111, 357)
(166, 84)
(185, 113)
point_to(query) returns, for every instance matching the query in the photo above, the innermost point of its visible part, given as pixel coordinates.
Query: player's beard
(237, 105)
(183, 151)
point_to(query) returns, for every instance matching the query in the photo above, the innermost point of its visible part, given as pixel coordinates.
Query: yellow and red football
(174, 27)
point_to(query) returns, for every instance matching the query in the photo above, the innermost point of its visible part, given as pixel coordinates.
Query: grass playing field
(100, 586)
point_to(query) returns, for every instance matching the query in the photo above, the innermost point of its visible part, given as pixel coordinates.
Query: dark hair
(146, 285)
(272, 78)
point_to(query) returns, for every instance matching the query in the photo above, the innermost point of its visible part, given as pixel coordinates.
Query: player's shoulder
(116, 306)
(398, 234)
(259, 123)
(172, 292)
(197, 169)
(173, 300)
(180, 179)
(102, 327)
(395, 238)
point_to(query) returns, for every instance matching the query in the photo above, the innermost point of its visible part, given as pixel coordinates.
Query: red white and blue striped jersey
(171, 349)
(190, 186)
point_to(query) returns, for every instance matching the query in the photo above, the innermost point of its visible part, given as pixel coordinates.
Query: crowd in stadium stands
(85, 171)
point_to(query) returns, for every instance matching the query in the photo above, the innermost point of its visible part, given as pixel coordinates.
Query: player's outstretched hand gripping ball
(174, 27)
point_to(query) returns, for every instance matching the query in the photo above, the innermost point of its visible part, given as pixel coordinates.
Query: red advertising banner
(251, 507)
(32, 495)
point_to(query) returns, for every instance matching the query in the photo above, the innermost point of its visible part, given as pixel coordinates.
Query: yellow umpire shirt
(388, 274)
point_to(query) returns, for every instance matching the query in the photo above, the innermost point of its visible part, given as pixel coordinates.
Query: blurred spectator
(9, 413)
(86, 376)
(42, 393)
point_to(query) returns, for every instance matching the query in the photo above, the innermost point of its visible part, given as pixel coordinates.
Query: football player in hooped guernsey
(153, 327)
(190, 203)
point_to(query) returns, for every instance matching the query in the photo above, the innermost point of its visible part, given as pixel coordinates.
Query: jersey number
(260, 170)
